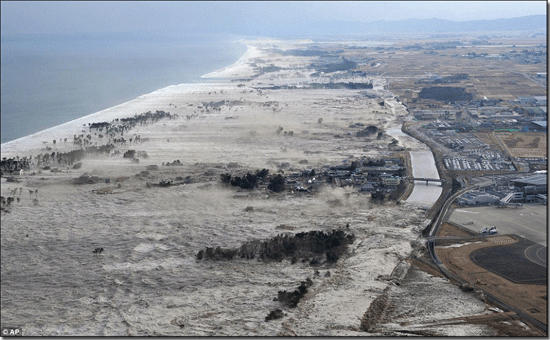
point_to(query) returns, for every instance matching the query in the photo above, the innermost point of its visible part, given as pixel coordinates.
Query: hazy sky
(233, 16)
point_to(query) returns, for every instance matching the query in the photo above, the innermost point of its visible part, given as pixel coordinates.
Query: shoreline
(108, 114)
(251, 52)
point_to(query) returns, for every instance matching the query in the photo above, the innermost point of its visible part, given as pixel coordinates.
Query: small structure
(541, 100)
(541, 124)
(527, 100)
(390, 181)
(367, 187)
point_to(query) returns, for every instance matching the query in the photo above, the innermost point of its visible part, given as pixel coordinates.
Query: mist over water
(48, 80)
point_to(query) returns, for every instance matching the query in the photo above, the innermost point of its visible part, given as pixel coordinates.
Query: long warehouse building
(538, 181)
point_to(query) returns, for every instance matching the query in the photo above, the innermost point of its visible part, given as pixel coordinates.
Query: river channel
(423, 166)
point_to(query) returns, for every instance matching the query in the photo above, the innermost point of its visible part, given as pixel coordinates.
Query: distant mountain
(434, 25)
(528, 23)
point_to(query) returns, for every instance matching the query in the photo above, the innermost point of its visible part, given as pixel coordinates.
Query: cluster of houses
(364, 175)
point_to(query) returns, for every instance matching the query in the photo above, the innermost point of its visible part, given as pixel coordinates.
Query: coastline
(127, 109)
(240, 68)
(147, 102)
(71, 101)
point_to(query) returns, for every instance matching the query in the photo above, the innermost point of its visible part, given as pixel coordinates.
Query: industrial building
(535, 184)
(477, 198)
(527, 100)
(539, 125)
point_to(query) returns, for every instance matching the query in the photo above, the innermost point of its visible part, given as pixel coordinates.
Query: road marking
(542, 258)
(536, 232)
(467, 212)
(538, 259)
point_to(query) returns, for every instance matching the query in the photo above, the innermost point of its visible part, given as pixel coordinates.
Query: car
(486, 230)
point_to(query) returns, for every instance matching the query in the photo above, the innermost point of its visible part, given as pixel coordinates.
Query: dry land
(494, 78)
(525, 144)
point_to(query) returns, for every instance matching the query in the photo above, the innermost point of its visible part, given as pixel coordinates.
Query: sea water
(48, 80)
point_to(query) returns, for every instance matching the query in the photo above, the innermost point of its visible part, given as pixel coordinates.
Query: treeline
(457, 78)
(445, 94)
(349, 85)
(335, 67)
(47, 159)
(251, 181)
(303, 53)
(315, 247)
(14, 164)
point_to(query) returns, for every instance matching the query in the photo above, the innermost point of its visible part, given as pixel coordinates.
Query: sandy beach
(152, 216)
(241, 68)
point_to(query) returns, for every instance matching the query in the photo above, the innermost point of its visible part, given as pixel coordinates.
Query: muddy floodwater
(153, 214)
(423, 166)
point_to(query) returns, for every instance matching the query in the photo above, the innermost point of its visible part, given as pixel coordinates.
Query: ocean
(48, 80)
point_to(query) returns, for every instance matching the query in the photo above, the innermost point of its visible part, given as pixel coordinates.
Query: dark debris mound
(366, 132)
(277, 183)
(248, 181)
(291, 299)
(378, 196)
(316, 245)
(217, 254)
(274, 314)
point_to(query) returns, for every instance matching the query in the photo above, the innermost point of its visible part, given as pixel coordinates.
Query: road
(443, 213)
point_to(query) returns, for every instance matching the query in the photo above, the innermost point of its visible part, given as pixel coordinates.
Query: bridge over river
(412, 179)
(424, 169)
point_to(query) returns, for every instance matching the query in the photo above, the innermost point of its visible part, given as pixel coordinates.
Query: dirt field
(505, 86)
(529, 298)
(517, 144)
(525, 144)
(489, 77)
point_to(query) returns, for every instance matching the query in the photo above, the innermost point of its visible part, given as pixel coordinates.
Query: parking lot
(528, 221)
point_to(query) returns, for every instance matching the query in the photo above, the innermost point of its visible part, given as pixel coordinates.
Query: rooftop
(538, 179)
